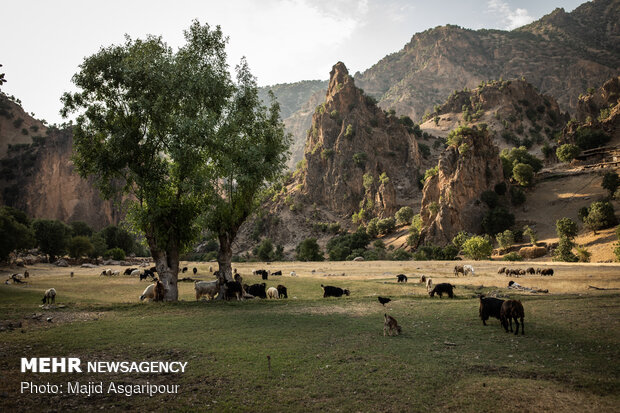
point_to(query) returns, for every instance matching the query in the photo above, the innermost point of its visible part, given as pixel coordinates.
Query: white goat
(208, 288)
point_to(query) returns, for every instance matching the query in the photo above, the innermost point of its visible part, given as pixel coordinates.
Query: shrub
(497, 220)
(80, 246)
(52, 236)
(430, 173)
(523, 174)
(564, 251)
(349, 132)
(264, 250)
(460, 239)
(512, 256)
(80, 228)
(611, 181)
(386, 225)
(477, 248)
(517, 196)
(368, 180)
(359, 159)
(416, 222)
(546, 150)
(566, 228)
(583, 255)
(371, 229)
(567, 152)
(384, 179)
(505, 239)
(404, 215)
(425, 150)
(601, 215)
(413, 238)
(434, 252)
(117, 254)
(529, 232)
(433, 207)
(401, 255)
(99, 246)
(309, 250)
(587, 138)
(490, 198)
(327, 153)
(340, 247)
(500, 189)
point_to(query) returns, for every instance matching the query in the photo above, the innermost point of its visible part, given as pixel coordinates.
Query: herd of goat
(504, 310)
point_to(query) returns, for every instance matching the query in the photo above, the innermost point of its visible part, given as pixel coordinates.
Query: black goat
(490, 307)
(401, 278)
(257, 290)
(512, 309)
(329, 291)
(442, 288)
(282, 291)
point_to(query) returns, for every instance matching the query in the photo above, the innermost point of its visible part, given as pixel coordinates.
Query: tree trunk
(167, 264)
(224, 257)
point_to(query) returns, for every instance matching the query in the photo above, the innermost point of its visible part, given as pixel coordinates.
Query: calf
(442, 288)
(401, 278)
(512, 309)
(490, 307)
(329, 291)
(257, 290)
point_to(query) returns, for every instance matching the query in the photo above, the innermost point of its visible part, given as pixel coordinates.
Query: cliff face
(356, 156)
(451, 198)
(591, 104)
(38, 176)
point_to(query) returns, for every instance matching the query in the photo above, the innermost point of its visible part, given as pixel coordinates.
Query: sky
(43, 42)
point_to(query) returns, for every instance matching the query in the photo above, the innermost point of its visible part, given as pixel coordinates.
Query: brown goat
(512, 309)
(390, 324)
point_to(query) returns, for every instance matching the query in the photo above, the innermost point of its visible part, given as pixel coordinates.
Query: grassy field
(326, 354)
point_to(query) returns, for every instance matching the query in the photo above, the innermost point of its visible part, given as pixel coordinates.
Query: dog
(390, 324)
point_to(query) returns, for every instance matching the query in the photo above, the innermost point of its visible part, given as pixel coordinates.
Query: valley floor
(307, 353)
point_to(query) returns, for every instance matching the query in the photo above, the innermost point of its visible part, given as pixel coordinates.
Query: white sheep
(116, 272)
(49, 296)
(468, 269)
(272, 292)
(135, 273)
(293, 274)
(107, 271)
(208, 288)
(429, 284)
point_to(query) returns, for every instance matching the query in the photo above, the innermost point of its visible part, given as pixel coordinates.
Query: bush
(349, 132)
(497, 220)
(583, 255)
(460, 239)
(566, 228)
(371, 229)
(52, 236)
(400, 255)
(80, 228)
(433, 252)
(567, 152)
(404, 215)
(386, 225)
(512, 256)
(115, 253)
(359, 159)
(264, 250)
(477, 248)
(80, 246)
(500, 189)
(14, 235)
(413, 238)
(587, 138)
(611, 181)
(505, 239)
(601, 215)
(517, 196)
(430, 173)
(99, 246)
(425, 150)
(564, 251)
(523, 174)
(490, 198)
(531, 234)
(340, 247)
(309, 250)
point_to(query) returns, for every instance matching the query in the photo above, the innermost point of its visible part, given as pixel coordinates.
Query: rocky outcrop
(357, 158)
(451, 198)
(591, 104)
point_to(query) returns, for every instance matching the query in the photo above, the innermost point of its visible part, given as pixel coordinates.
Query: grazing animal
(147, 273)
(530, 270)
(546, 271)
(210, 268)
(390, 325)
(458, 269)
(257, 290)
(208, 288)
(272, 292)
(49, 297)
(135, 273)
(512, 309)
(384, 300)
(153, 269)
(26, 274)
(263, 273)
(128, 271)
(442, 288)
(282, 291)
(184, 270)
(17, 279)
(116, 272)
(429, 284)
(72, 274)
(490, 307)
(154, 292)
(106, 272)
(401, 278)
(195, 270)
(423, 279)
(329, 291)
(468, 269)
(277, 273)
(501, 270)
(293, 274)
(234, 289)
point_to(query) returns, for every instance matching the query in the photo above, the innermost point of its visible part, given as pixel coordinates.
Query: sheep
(501, 270)
(116, 272)
(547, 271)
(489, 307)
(154, 292)
(272, 292)
(293, 274)
(135, 273)
(208, 288)
(531, 271)
(128, 271)
(49, 297)
(107, 272)
(329, 291)
(282, 291)
(263, 273)
(429, 284)
(458, 269)
(512, 309)
(442, 288)
(401, 278)
(468, 269)
(423, 279)
(234, 289)
(257, 290)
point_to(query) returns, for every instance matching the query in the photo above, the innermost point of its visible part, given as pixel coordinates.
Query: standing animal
(458, 269)
(501, 270)
(257, 290)
(468, 269)
(128, 271)
(135, 273)
(272, 292)
(208, 288)
(282, 291)
(423, 279)
(195, 270)
(147, 273)
(390, 325)
(210, 268)
(184, 270)
(546, 271)
(238, 278)
(531, 271)
(442, 288)
(429, 284)
(293, 274)
(154, 292)
(49, 297)
(26, 274)
(234, 289)
(384, 300)
(277, 273)
(107, 272)
(329, 291)
(153, 269)
(512, 310)
(401, 278)
(263, 273)
(489, 307)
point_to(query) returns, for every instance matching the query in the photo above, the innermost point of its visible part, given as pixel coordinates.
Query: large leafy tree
(177, 136)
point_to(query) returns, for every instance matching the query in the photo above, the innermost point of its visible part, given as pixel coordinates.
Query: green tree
(529, 232)
(490, 198)
(567, 152)
(404, 215)
(191, 146)
(386, 225)
(52, 236)
(505, 239)
(478, 248)
(566, 227)
(115, 254)
(308, 250)
(611, 182)
(523, 174)
(497, 220)
(80, 228)
(14, 235)
(371, 229)
(116, 237)
(264, 250)
(460, 239)
(600, 215)
(99, 245)
(80, 246)
(564, 250)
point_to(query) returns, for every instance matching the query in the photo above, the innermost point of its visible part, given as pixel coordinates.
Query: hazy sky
(44, 41)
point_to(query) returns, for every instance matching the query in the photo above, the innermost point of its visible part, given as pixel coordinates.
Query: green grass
(326, 354)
